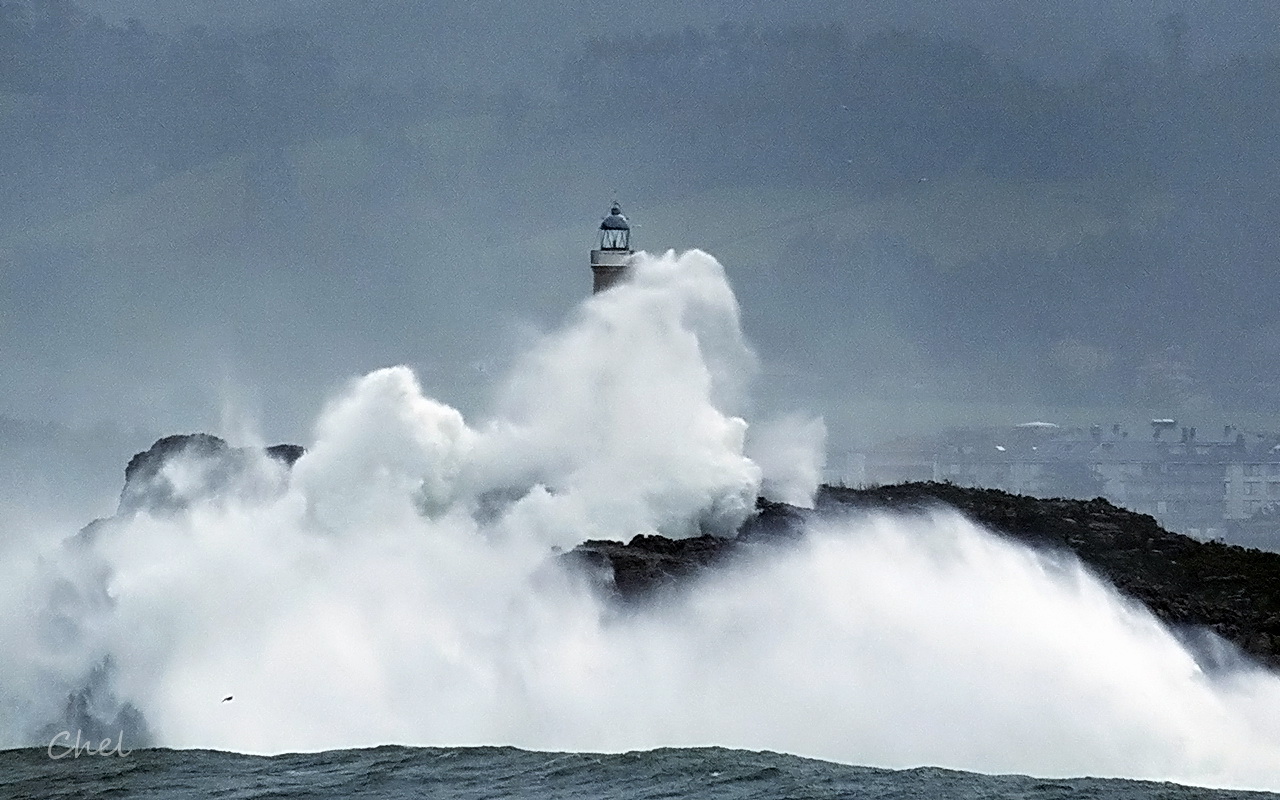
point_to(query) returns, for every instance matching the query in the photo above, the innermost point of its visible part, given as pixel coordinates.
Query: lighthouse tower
(611, 260)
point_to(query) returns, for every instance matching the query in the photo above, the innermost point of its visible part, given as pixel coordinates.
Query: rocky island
(1191, 585)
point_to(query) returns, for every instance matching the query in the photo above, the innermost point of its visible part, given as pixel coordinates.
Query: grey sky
(920, 233)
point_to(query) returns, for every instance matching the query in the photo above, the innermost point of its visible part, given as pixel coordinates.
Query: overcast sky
(1017, 208)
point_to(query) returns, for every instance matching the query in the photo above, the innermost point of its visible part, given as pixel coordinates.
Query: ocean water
(486, 772)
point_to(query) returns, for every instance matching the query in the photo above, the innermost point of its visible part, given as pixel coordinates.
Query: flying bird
(227, 699)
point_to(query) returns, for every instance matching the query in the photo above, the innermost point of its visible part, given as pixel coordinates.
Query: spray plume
(399, 584)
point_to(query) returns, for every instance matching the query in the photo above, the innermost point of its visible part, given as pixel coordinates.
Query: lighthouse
(612, 259)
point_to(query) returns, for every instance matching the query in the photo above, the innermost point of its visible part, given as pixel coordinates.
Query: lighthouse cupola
(612, 258)
(615, 231)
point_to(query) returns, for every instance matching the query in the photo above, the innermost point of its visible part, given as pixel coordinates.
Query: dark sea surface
(484, 772)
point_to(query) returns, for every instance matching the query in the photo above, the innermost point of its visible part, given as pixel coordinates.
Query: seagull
(227, 699)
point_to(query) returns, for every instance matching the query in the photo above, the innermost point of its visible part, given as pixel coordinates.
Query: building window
(1273, 469)
(1252, 470)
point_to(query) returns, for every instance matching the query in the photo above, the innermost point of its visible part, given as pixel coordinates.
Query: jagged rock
(146, 465)
(1231, 590)
(215, 468)
(173, 473)
(774, 520)
(648, 562)
(286, 453)
(94, 714)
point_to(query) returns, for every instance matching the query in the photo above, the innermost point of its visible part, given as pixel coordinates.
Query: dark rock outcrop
(172, 474)
(647, 563)
(146, 465)
(1192, 585)
(286, 453)
(217, 467)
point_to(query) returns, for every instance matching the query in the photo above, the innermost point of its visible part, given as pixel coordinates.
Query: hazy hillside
(238, 217)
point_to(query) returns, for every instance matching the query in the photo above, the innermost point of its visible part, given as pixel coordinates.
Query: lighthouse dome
(615, 221)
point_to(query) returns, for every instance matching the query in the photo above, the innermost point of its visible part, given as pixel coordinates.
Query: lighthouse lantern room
(612, 258)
